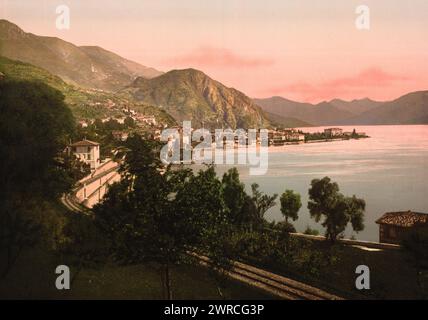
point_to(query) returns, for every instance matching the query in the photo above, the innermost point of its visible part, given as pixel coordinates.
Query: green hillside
(84, 103)
(88, 67)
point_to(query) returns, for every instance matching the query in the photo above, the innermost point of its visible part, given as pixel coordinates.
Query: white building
(150, 120)
(332, 132)
(296, 136)
(88, 152)
(83, 123)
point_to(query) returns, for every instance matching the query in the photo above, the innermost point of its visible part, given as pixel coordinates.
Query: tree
(233, 191)
(262, 202)
(129, 122)
(73, 168)
(290, 205)
(210, 229)
(159, 214)
(249, 216)
(326, 201)
(135, 213)
(35, 125)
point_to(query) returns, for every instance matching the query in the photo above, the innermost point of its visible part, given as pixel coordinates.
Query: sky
(304, 50)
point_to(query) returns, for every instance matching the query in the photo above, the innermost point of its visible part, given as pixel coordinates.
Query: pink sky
(299, 49)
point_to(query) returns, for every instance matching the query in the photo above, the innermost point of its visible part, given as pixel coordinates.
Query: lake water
(389, 171)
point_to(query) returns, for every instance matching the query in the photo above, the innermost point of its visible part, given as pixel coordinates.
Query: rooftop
(85, 143)
(403, 218)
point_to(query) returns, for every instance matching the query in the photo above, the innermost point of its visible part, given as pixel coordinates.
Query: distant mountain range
(187, 94)
(411, 108)
(355, 107)
(190, 94)
(321, 114)
(90, 67)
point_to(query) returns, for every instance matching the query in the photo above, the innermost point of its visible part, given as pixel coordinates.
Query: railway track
(279, 286)
(69, 201)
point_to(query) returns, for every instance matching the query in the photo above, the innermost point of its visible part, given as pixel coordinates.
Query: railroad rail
(279, 286)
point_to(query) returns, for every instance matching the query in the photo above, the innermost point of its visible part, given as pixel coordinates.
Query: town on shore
(153, 128)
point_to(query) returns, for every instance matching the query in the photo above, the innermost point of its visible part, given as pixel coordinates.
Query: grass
(392, 273)
(33, 277)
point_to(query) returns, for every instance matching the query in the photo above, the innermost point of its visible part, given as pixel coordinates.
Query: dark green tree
(337, 210)
(129, 122)
(159, 214)
(249, 216)
(35, 126)
(290, 205)
(234, 195)
(210, 229)
(262, 201)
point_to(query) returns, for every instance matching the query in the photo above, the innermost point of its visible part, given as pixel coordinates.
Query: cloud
(367, 80)
(217, 57)
(368, 77)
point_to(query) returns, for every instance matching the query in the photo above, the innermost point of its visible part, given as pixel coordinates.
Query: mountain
(286, 122)
(411, 108)
(356, 106)
(90, 67)
(323, 113)
(84, 103)
(184, 94)
(190, 94)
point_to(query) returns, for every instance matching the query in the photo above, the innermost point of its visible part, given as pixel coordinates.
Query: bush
(312, 232)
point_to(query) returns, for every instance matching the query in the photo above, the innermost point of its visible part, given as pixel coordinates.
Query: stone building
(393, 226)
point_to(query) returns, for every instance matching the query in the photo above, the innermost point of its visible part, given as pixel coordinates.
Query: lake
(389, 171)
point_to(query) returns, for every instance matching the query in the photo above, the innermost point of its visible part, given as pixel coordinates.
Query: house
(295, 136)
(157, 134)
(120, 120)
(83, 124)
(88, 152)
(110, 104)
(150, 120)
(333, 132)
(393, 226)
(120, 135)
